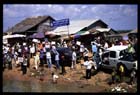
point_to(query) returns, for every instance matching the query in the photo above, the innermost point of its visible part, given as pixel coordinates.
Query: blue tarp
(76, 36)
(37, 35)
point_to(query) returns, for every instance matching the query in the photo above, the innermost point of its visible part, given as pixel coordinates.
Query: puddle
(35, 86)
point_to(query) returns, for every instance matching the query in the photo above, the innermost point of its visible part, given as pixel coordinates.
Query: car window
(122, 52)
(128, 57)
(105, 55)
(113, 54)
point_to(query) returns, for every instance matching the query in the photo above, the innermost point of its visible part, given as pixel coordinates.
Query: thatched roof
(27, 24)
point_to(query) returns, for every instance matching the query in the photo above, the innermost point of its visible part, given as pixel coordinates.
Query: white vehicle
(114, 56)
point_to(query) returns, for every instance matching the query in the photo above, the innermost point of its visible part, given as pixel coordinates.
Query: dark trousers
(63, 70)
(88, 73)
(24, 69)
(121, 76)
(10, 65)
(113, 79)
(42, 62)
(81, 55)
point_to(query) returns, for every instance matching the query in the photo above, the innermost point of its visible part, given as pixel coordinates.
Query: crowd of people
(41, 52)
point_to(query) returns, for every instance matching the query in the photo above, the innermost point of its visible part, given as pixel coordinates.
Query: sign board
(61, 22)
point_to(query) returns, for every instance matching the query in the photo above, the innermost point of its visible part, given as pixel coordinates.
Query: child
(88, 69)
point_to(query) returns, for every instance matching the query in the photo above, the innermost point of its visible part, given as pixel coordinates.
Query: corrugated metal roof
(75, 26)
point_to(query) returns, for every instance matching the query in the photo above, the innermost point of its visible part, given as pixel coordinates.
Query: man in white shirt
(48, 58)
(73, 60)
(57, 59)
(32, 50)
(81, 50)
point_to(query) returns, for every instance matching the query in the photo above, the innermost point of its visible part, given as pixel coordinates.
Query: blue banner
(61, 22)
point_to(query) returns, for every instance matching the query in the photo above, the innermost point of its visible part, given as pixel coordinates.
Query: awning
(13, 36)
(38, 35)
(103, 29)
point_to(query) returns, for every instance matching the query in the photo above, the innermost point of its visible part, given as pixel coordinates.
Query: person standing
(121, 72)
(85, 53)
(41, 57)
(24, 65)
(37, 60)
(81, 51)
(57, 59)
(9, 60)
(63, 63)
(44, 50)
(113, 74)
(48, 58)
(88, 69)
(32, 50)
(94, 48)
(73, 65)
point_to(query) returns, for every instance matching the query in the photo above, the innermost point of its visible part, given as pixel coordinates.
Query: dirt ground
(98, 82)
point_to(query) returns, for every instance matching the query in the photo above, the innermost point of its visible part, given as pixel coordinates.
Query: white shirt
(32, 49)
(48, 55)
(65, 45)
(81, 48)
(44, 49)
(53, 47)
(88, 65)
(106, 45)
(74, 55)
(6, 49)
(94, 64)
(57, 56)
(47, 46)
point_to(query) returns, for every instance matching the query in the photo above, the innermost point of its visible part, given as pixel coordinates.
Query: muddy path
(72, 81)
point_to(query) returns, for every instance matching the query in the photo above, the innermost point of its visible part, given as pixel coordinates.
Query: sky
(117, 16)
